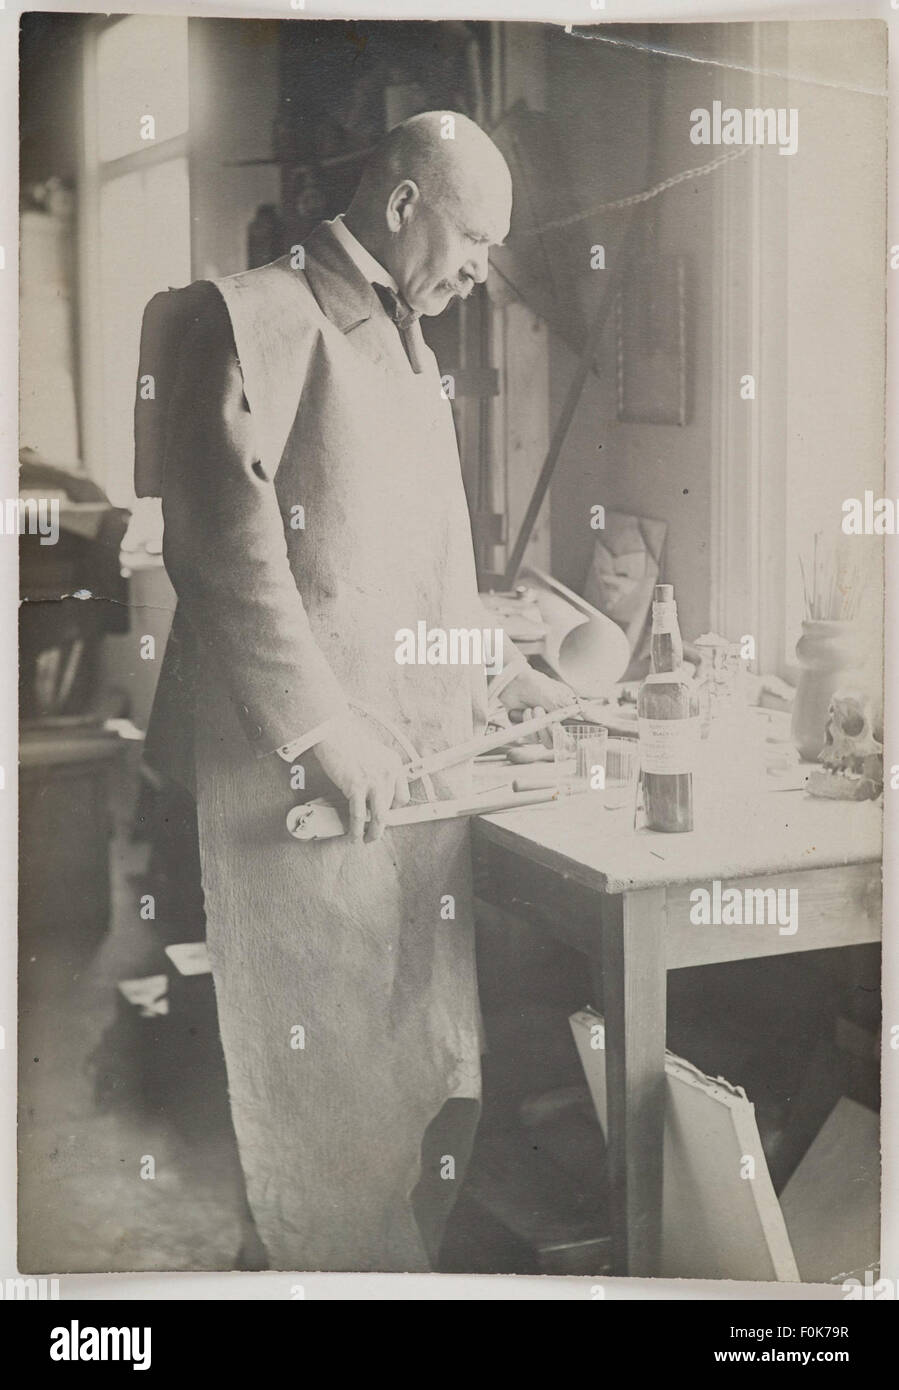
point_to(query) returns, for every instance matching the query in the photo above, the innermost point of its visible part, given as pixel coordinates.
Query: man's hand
(534, 694)
(367, 773)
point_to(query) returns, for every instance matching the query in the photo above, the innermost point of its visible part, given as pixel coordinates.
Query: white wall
(661, 471)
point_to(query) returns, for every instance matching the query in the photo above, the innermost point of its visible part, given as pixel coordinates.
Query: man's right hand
(367, 773)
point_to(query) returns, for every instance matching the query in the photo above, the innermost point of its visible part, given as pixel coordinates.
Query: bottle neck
(666, 647)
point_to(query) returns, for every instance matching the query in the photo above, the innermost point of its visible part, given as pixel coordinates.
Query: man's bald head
(434, 196)
(450, 158)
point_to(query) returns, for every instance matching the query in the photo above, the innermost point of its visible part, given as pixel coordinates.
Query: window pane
(144, 247)
(141, 71)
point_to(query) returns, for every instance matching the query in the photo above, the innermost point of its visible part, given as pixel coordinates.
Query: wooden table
(640, 884)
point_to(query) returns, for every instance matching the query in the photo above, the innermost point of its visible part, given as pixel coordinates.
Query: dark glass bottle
(668, 714)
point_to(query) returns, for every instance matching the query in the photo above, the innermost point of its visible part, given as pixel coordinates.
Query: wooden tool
(530, 753)
(321, 820)
(460, 752)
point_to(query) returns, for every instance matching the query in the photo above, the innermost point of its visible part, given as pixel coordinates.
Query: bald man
(313, 503)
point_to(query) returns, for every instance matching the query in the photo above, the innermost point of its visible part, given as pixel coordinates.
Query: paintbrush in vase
(837, 583)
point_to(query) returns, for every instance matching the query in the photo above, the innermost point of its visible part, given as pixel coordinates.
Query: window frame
(93, 174)
(749, 531)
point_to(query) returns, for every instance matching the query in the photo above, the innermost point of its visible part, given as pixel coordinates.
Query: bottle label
(664, 616)
(669, 745)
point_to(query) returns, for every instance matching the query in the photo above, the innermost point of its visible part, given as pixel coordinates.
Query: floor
(90, 1131)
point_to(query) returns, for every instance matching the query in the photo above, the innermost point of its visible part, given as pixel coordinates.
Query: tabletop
(774, 832)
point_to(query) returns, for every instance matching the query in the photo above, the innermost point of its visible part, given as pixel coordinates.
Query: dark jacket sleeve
(226, 552)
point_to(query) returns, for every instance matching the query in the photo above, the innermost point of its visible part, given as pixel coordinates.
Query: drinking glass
(622, 767)
(582, 747)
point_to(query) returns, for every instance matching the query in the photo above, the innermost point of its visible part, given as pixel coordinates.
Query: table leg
(634, 1004)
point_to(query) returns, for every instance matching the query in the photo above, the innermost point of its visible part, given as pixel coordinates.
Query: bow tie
(406, 320)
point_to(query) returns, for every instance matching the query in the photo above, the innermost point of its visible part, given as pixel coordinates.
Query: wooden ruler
(321, 819)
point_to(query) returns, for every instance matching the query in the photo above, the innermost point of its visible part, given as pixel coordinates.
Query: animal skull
(852, 754)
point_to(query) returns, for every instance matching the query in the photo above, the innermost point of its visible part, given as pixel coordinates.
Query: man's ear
(402, 203)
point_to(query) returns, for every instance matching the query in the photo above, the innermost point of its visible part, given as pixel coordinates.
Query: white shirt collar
(374, 273)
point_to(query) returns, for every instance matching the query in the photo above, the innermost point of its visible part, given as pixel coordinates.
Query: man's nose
(478, 265)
